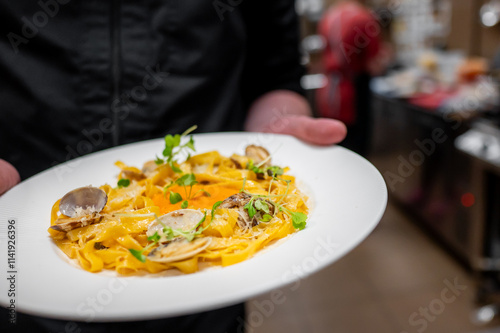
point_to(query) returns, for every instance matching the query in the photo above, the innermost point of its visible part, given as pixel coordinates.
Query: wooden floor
(397, 281)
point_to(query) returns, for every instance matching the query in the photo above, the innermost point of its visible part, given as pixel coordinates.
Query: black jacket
(77, 76)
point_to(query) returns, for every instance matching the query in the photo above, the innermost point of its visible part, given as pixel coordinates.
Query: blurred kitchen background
(433, 263)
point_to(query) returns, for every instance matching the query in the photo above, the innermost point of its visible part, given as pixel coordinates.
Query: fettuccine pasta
(244, 205)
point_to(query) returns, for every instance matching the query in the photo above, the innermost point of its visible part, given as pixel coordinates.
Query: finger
(9, 176)
(320, 131)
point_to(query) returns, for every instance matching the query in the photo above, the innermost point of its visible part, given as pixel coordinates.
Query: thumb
(9, 176)
(318, 131)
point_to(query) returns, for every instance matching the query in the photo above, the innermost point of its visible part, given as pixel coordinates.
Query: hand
(318, 131)
(286, 112)
(9, 176)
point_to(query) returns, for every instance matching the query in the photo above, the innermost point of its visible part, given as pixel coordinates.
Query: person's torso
(80, 76)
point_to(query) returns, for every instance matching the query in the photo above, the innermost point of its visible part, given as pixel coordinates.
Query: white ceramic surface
(349, 198)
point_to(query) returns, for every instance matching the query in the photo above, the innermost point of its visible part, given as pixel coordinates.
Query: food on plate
(209, 210)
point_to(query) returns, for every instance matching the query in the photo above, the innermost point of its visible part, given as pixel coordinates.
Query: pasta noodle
(116, 237)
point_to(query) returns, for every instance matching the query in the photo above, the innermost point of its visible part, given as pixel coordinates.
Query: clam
(83, 201)
(179, 249)
(83, 206)
(238, 201)
(258, 154)
(133, 175)
(68, 224)
(149, 168)
(182, 219)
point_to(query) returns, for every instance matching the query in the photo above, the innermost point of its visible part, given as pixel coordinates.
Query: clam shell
(179, 249)
(68, 224)
(258, 154)
(83, 201)
(183, 219)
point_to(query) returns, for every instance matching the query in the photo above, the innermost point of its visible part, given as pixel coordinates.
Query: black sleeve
(272, 54)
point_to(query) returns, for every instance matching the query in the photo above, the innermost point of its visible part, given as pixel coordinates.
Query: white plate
(349, 198)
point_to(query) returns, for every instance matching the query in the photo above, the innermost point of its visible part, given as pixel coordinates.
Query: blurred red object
(431, 100)
(471, 69)
(352, 35)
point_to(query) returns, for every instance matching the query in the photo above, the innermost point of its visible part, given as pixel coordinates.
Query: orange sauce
(199, 199)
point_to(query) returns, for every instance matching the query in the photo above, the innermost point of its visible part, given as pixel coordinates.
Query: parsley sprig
(187, 180)
(123, 182)
(273, 171)
(298, 218)
(173, 148)
(255, 168)
(256, 204)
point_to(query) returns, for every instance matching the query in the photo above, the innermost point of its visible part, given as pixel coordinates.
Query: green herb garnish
(298, 219)
(173, 148)
(123, 182)
(214, 207)
(266, 218)
(250, 208)
(186, 180)
(256, 204)
(204, 193)
(140, 254)
(175, 197)
(154, 238)
(260, 205)
(274, 171)
(243, 186)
